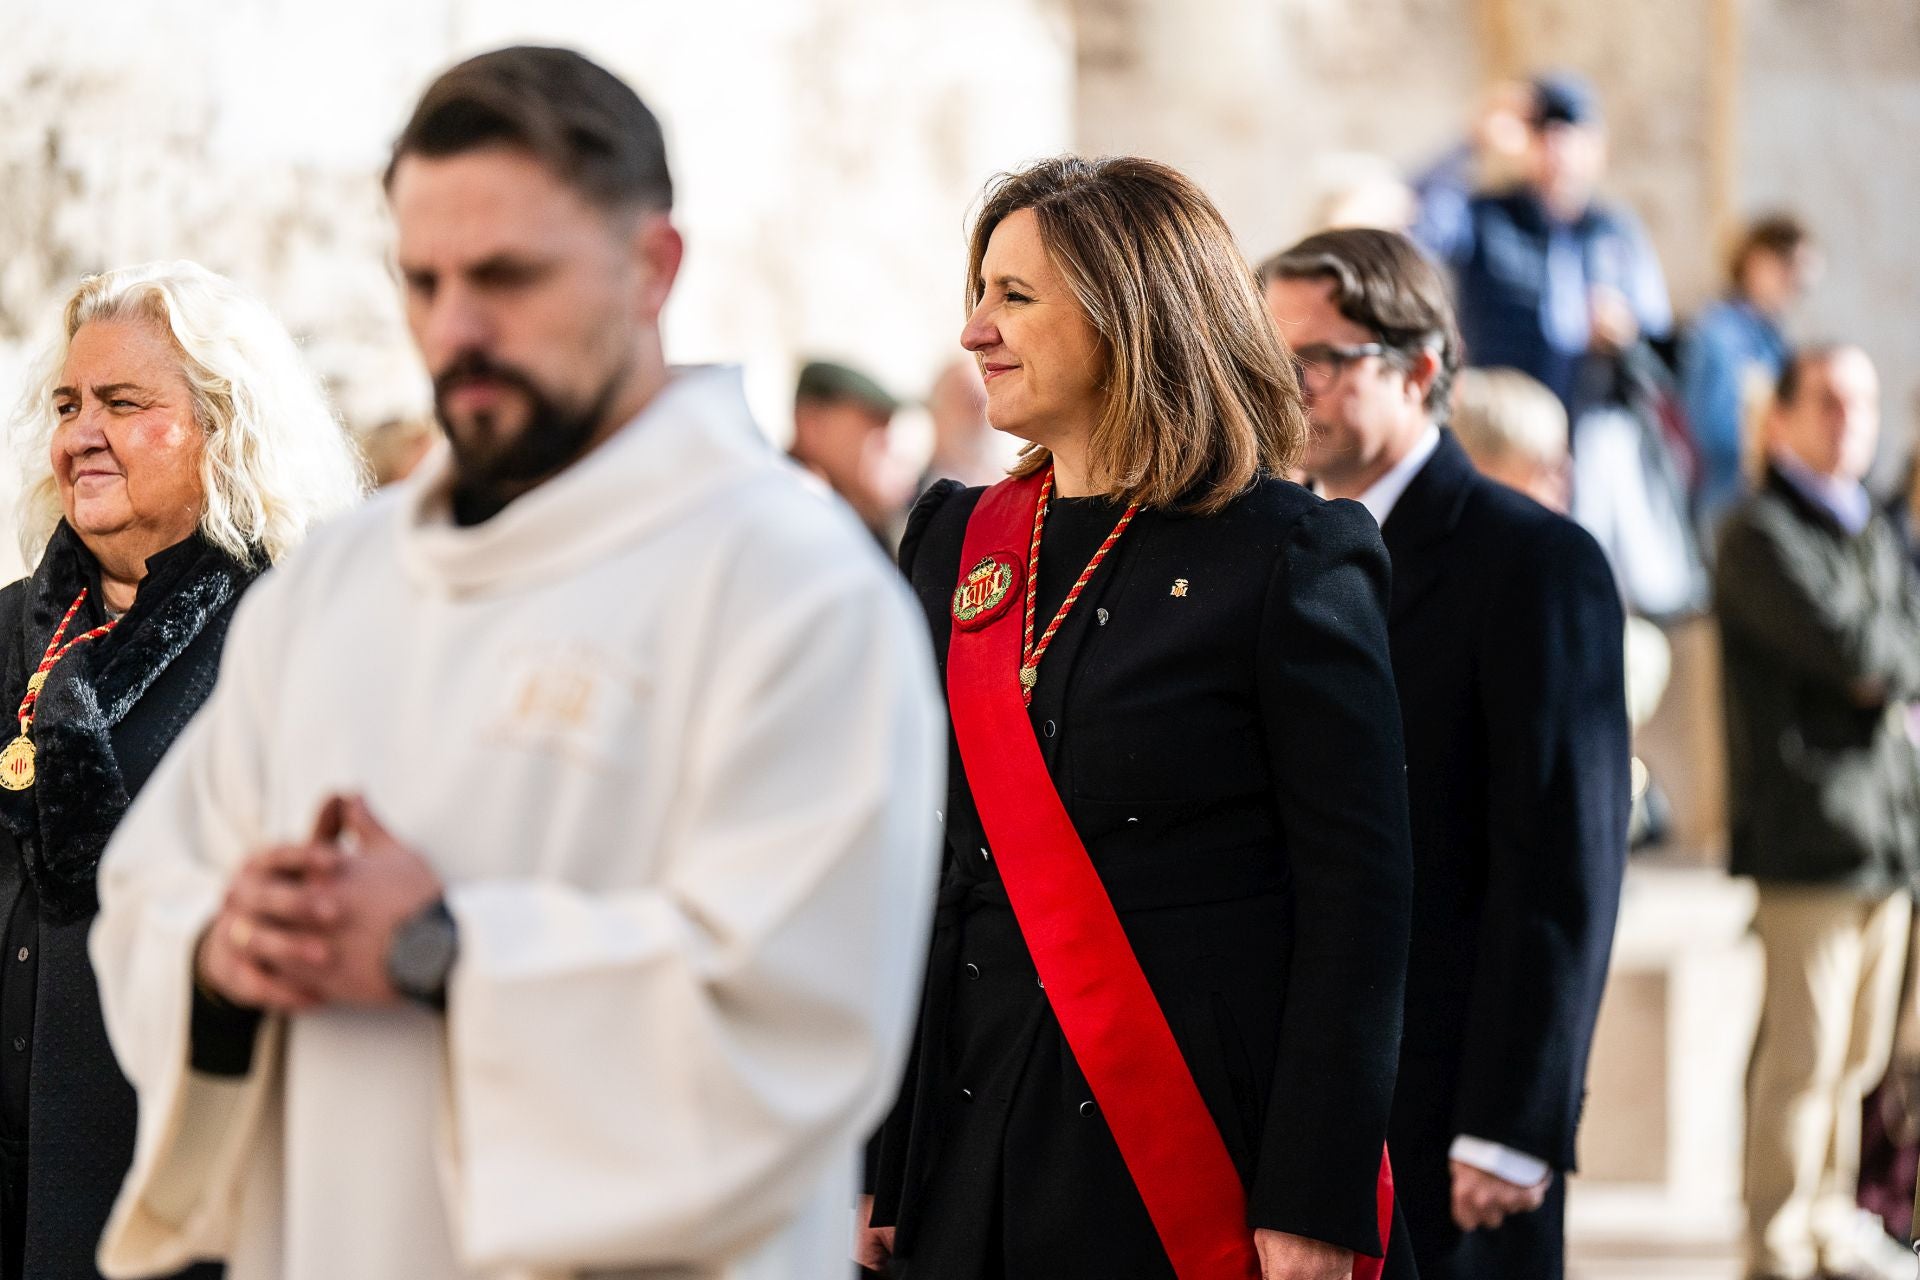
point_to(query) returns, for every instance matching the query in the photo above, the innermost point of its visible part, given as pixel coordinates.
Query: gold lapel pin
(1179, 587)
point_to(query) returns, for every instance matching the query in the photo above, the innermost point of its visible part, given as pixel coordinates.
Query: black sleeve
(921, 517)
(1553, 699)
(1332, 725)
(1782, 598)
(221, 1036)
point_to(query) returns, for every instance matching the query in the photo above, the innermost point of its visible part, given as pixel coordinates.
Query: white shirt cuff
(1504, 1163)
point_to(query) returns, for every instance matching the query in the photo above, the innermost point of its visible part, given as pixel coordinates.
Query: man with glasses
(1506, 631)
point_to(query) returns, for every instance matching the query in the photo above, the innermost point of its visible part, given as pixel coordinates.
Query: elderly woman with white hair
(174, 444)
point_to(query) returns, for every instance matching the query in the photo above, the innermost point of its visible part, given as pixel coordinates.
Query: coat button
(1040, 983)
(984, 855)
(973, 971)
(966, 1095)
(19, 1044)
(1086, 1108)
(1050, 728)
(24, 953)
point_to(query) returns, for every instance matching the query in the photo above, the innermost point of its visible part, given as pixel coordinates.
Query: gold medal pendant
(16, 764)
(16, 761)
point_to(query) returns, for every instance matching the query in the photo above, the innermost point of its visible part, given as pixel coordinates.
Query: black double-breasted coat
(1508, 653)
(1219, 717)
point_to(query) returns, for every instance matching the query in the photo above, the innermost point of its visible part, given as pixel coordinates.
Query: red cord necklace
(1031, 653)
(16, 762)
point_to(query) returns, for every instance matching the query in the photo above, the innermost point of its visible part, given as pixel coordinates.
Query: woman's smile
(94, 476)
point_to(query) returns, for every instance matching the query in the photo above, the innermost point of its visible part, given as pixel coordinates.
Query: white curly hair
(276, 460)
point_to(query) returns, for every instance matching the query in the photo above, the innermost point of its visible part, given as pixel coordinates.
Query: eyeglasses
(1321, 364)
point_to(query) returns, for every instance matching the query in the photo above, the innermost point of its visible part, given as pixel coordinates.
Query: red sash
(1106, 1009)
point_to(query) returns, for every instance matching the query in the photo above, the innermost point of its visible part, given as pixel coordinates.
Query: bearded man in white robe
(543, 890)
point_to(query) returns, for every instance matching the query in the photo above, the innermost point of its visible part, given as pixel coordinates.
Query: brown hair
(1780, 234)
(1383, 283)
(575, 116)
(1201, 397)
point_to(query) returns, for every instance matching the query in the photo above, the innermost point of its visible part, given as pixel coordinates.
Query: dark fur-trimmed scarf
(62, 823)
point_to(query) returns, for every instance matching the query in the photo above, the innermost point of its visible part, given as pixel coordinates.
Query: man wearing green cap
(840, 421)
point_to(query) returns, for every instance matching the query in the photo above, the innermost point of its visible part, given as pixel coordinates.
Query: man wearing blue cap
(1547, 274)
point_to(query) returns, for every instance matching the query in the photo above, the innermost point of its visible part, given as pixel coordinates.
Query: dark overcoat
(1218, 716)
(1820, 645)
(108, 712)
(1508, 653)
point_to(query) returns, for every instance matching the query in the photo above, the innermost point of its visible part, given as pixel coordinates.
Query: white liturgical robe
(667, 727)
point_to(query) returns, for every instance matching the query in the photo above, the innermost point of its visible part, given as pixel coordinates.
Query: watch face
(422, 954)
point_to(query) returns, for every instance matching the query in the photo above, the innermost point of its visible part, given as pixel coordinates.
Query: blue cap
(1560, 97)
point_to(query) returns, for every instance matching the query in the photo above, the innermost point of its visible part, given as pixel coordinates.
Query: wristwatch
(420, 957)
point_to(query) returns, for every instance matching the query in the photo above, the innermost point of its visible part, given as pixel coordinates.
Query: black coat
(1231, 757)
(107, 714)
(1823, 785)
(1508, 652)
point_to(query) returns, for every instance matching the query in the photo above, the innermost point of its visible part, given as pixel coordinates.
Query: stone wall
(1829, 111)
(1259, 99)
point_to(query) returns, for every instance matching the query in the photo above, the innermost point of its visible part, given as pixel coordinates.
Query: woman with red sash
(1162, 1012)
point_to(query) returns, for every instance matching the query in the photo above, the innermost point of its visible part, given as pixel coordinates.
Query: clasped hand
(306, 925)
(1482, 1201)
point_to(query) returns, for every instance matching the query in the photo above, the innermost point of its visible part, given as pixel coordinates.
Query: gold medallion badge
(16, 764)
(985, 592)
(16, 761)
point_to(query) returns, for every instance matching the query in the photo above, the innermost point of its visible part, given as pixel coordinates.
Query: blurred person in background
(1907, 506)
(1162, 1011)
(1734, 350)
(1564, 286)
(1515, 431)
(965, 445)
(1903, 508)
(1629, 490)
(556, 846)
(1507, 643)
(840, 422)
(1546, 272)
(1890, 1121)
(1820, 635)
(1492, 157)
(174, 444)
(395, 447)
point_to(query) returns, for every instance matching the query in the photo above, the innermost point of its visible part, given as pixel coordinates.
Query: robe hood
(693, 440)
